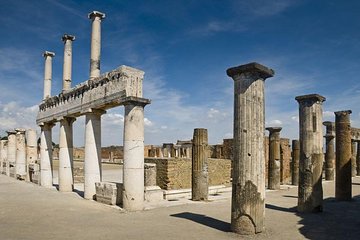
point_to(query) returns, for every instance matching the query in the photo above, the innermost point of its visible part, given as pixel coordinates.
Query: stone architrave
(248, 190)
(295, 162)
(310, 192)
(353, 158)
(11, 153)
(31, 150)
(343, 183)
(67, 68)
(20, 169)
(96, 18)
(358, 159)
(46, 152)
(200, 174)
(133, 169)
(48, 73)
(330, 150)
(274, 158)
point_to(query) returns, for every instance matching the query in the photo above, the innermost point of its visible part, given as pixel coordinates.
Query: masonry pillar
(6, 168)
(92, 169)
(343, 156)
(46, 171)
(96, 18)
(31, 150)
(20, 169)
(2, 157)
(274, 158)
(358, 159)
(67, 67)
(11, 153)
(200, 174)
(310, 192)
(295, 162)
(48, 73)
(353, 158)
(66, 178)
(248, 191)
(330, 150)
(133, 169)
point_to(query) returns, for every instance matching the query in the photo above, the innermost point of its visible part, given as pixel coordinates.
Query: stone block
(109, 193)
(34, 173)
(154, 194)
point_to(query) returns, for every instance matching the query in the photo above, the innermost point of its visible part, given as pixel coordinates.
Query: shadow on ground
(205, 220)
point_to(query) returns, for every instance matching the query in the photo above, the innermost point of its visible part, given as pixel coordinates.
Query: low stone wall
(175, 173)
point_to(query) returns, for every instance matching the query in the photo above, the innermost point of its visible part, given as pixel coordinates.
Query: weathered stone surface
(353, 158)
(20, 154)
(330, 150)
(274, 158)
(96, 18)
(149, 174)
(46, 171)
(31, 150)
(48, 73)
(34, 173)
(295, 162)
(108, 193)
(67, 67)
(11, 153)
(358, 159)
(310, 193)
(343, 156)
(200, 175)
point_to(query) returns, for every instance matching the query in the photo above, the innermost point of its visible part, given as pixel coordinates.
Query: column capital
(20, 130)
(273, 129)
(136, 101)
(46, 125)
(94, 14)
(93, 111)
(252, 68)
(11, 132)
(70, 120)
(329, 124)
(310, 98)
(343, 113)
(48, 54)
(66, 37)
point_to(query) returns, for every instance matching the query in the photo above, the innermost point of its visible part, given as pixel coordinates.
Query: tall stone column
(343, 183)
(248, 191)
(274, 158)
(46, 150)
(20, 169)
(200, 174)
(353, 158)
(96, 18)
(66, 178)
(67, 67)
(6, 168)
(358, 159)
(310, 192)
(48, 73)
(330, 150)
(11, 153)
(92, 169)
(2, 156)
(31, 150)
(295, 162)
(133, 169)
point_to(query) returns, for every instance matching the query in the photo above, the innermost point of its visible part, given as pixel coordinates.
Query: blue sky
(185, 47)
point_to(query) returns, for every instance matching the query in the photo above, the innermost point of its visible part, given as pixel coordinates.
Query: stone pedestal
(92, 160)
(295, 162)
(343, 156)
(109, 193)
(31, 150)
(310, 192)
(200, 174)
(67, 67)
(248, 190)
(20, 154)
(48, 73)
(66, 178)
(330, 150)
(274, 158)
(353, 158)
(96, 18)
(11, 154)
(153, 193)
(46, 172)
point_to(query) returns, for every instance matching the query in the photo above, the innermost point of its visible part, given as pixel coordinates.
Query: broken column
(274, 158)
(92, 162)
(67, 67)
(310, 192)
(48, 73)
(11, 153)
(353, 158)
(295, 162)
(20, 169)
(200, 174)
(153, 192)
(66, 178)
(31, 151)
(330, 150)
(248, 191)
(133, 169)
(343, 183)
(96, 18)
(46, 149)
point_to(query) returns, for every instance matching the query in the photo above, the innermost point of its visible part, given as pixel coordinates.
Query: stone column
(133, 169)
(343, 183)
(96, 18)
(200, 174)
(310, 192)
(31, 150)
(295, 162)
(2, 156)
(92, 162)
(358, 159)
(67, 39)
(330, 150)
(11, 153)
(6, 169)
(66, 178)
(353, 158)
(248, 191)
(20, 170)
(48, 73)
(46, 171)
(274, 158)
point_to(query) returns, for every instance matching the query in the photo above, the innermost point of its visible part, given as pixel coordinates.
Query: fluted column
(248, 191)
(274, 158)
(46, 149)
(67, 67)
(20, 169)
(11, 153)
(330, 150)
(96, 18)
(48, 73)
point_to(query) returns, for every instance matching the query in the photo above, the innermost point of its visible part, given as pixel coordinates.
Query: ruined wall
(175, 173)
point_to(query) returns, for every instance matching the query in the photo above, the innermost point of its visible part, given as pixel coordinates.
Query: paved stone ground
(28, 211)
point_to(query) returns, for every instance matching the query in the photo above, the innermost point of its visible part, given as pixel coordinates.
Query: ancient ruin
(274, 158)
(330, 150)
(295, 162)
